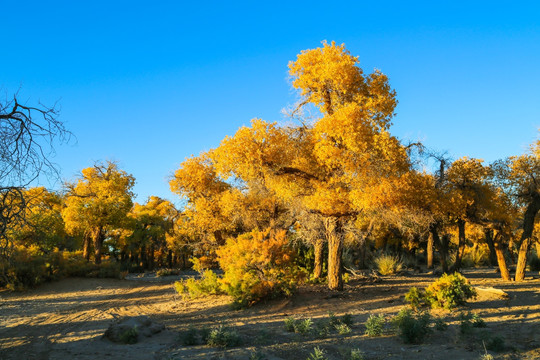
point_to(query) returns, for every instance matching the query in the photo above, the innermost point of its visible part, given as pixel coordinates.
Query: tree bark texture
(526, 236)
(429, 251)
(335, 250)
(499, 251)
(318, 248)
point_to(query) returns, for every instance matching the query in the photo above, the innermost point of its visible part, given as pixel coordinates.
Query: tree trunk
(429, 251)
(493, 259)
(525, 243)
(461, 245)
(318, 247)
(87, 245)
(442, 246)
(335, 250)
(169, 259)
(151, 257)
(98, 244)
(505, 274)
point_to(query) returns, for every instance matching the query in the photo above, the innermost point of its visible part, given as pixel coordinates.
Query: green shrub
(208, 284)
(478, 322)
(129, 336)
(343, 329)
(347, 319)
(290, 324)
(355, 354)
(317, 354)
(415, 298)
(375, 325)
(387, 264)
(303, 326)
(190, 337)
(412, 328)
(223, 337)
(449, 291)
(496, 343)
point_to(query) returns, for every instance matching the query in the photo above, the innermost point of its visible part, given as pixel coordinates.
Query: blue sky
(148, 84)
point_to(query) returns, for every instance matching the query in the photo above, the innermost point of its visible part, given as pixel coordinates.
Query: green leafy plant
(411, 327)
(387, 264)
(375, 325)
(317, 354)
(356, 354)
(449, 291)
(343, 329)
(208, 284)
(130, 336)
(290, 324)
(303, 326)
(190, 337)
(415, 298)
(223, 337)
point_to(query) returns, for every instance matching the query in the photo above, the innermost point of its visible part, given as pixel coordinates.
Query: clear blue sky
(150, 83)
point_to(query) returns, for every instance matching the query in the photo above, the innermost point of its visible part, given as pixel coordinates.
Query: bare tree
(27, 135)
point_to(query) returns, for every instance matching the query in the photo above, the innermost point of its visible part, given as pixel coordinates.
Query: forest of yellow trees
(327, 192)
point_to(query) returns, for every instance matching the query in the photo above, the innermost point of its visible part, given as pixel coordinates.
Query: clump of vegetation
(257, 265)
(449, 291)
(190, 337)
(207, 284)
(355, 354)
(317, 354)
(300, 326)
(534, 263)
(415, 298)
(167, 272)
(496, 343)
(130, 336)
(223, 337)
(468, 321)
(375, 325)
(412, 327)
(387, 264)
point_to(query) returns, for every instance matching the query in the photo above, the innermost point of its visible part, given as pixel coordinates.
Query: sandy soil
(66, 320)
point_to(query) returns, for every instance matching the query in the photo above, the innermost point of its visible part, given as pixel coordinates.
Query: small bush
(167, 272)
(496, 343)
(223, 337)
(478, 322)
(129, 336)
(375, 325)
(415, 298)
(412, 328)
(449, 291)
(342, 329)
(258, 265)
(303, 326)
(355, 354)
(347, 319)
(388, 264)
(290, 324)
(190, 337)
(317, 354)
(208, 284)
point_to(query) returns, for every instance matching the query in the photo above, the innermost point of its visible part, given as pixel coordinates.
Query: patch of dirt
(67, 319)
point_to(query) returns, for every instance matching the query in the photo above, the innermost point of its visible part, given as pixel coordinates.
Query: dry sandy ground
(66, 320)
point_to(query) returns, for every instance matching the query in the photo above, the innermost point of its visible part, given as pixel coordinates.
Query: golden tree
(343, 164)
(97, 203)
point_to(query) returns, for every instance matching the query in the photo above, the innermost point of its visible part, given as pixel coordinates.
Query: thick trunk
(493, 260)
(442, 246)
(151, 257)
(335, 250)
(526, 236)
(169, 259)
(429, 251)
(505, 274)
(461, 245)
(87, 245)
(318, 248)
(98, 244)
